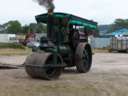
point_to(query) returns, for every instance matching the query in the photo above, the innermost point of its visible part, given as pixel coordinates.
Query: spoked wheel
(41, 65)
(83, 58)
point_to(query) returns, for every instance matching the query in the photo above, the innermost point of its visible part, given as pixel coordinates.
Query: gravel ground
(14, 60)
(108, 77)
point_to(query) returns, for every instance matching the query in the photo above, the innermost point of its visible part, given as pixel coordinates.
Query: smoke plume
(48, 4)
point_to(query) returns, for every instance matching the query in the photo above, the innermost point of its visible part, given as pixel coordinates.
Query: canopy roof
(75, 20)
(123, 31)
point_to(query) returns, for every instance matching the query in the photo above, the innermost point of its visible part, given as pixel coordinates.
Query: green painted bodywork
(58, 33)
(74, 20)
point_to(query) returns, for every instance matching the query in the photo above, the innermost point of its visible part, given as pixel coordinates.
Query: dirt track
(108, 77)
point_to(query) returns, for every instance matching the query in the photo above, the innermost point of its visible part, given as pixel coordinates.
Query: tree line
(15, 27)
(118, 24)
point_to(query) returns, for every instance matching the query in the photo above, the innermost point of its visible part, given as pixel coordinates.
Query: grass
(11, 45)
(11, 51)
(101, 50)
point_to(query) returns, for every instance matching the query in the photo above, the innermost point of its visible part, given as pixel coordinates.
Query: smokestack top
(50, 11)
(48, 4)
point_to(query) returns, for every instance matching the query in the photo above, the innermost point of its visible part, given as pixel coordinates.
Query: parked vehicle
(119, 43)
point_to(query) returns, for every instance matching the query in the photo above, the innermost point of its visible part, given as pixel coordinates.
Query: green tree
(32, 27)
(37, 27)
(41, 28)
(118, 24)
(25, 29)
(13, 27)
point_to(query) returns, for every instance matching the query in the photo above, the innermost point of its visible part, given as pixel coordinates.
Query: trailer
(119, 44)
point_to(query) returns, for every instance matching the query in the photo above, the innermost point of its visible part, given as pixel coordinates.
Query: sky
(101, 11)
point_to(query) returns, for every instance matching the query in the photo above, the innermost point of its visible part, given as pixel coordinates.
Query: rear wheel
(83, 58)
(41, 65)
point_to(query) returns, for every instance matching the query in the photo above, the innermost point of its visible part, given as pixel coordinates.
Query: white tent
(7, 38)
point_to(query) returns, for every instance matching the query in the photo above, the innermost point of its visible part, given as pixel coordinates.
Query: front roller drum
(83, 57)
(41, 65)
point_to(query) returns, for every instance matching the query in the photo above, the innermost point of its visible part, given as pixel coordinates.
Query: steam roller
(66, 45)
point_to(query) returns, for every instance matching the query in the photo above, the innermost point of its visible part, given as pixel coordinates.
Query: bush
(11, 45)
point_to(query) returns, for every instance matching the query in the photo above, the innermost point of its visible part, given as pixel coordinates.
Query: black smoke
(48, 4)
